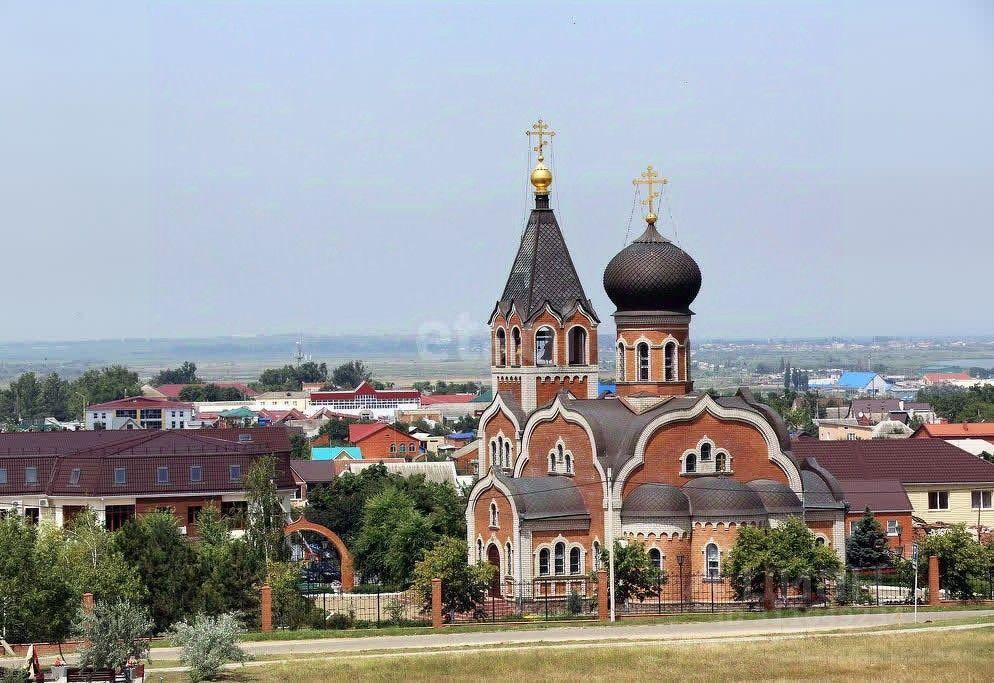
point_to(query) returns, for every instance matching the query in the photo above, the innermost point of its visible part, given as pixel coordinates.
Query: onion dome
(652, 274)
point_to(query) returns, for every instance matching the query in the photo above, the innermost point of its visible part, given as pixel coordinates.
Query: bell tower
(652, 282)
(543, 329)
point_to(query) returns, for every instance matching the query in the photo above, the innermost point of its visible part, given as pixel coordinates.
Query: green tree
(232, 572)
(337, 430)
(167, 563)
(351, 374)
(464, 586)
(394, 535)
(184, 374)
(291, 377)
(115, 633)
(867, 546)
(54, 398)
(963, 561)
(210, 392)
(339, 504)
(300, 447)
(99, 386)
(266, 516)
(636, 577)
(787, 552)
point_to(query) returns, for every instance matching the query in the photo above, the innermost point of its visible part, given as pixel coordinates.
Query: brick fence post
(436, 603)
(769, 592)
(933, 580)
(266, 607)
(603, 611)
(88, 603)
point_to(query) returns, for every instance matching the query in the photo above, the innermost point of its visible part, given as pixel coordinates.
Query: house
(466, 459)
(308, 474)
(380, 440)
(860, 429)
(52, 476)
(336, 453)
(437, 472)
(283, 417)
(956, 430)
(282, 400)
(172, 391)
(147, 413)
(861, 384)
(933, 378)
(367, 400)
(877, 410)
(450, 406)
(929, 479)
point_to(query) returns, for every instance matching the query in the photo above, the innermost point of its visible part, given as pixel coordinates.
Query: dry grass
(938, 656)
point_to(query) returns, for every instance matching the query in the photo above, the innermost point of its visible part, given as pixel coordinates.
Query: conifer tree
(867, 546)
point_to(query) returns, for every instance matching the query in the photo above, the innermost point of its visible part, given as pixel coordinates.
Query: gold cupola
(541, 177)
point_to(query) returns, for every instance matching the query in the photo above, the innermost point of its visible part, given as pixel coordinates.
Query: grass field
(935, 656)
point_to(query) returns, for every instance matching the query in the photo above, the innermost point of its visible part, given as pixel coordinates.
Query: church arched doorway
(493, 558)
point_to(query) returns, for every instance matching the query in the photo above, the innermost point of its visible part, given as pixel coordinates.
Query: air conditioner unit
(43, 502)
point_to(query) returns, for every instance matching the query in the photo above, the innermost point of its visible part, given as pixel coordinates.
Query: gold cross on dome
(650, 178)
(542, 130)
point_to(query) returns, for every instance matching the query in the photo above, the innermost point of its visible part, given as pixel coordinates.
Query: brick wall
(378, 445)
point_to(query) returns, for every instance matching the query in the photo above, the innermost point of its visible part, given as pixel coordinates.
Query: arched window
(509, 554)
(560, 558)
(494, 515)
(642, 352)
(515, 346)
(569, 464)
(619, 363)
(670, 362)
(493, 453)
(545, 341)
(574, 561)
(479, 550)
(656, 558)
(597, 555)
(393, 448)
(402, 448)
(501, 347)
(577, 346)
(820, 540)
(507, 454)
(713, 561)
(721, 461)
(552, 461)
(690, 464)
(705, 452)
(543, 562)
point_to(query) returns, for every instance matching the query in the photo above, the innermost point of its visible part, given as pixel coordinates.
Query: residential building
(52, 476)
(876, 410)
(139, 412)
(365, 399)
(380, 440)
(861, 384)
(858, 430)
(942, 483)
(956, 430)
(933, 378)
(336, 453)
(282, 400)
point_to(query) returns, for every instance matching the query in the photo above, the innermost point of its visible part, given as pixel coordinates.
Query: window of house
(516, 346)
(705, 452)
(980, 500)
(162, 475)
(850, 437)
(574, 561)
(544, 341)
(577, 346)
(642, 353)
(820, 540)
(892, 527)
(32, 515)
(690, 463)
(74, 476)
(393, 448)
(192, 513)
(543, 562)
(235, 472)
(116, 516)
(3, 476)
(656, 557)
(713, 561)
(402, 448)
(938, 500)
(669, 355)
(196, 474)
(494, 518)
(560, 558)
(120, 476)
(501, 348)
(721, 461)
(30, 475)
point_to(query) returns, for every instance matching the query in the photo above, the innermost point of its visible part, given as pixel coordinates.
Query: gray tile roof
(655, 500)
(545, 497)
(723, 497)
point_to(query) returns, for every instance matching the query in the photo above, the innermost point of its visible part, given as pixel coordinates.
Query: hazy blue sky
(201, 168)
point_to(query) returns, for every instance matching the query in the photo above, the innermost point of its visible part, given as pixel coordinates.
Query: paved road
(654, 632)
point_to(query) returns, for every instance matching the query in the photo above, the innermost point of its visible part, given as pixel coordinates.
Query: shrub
(208, 643)
(14, 676)
(464, 586)
(115, 633)
(574, 604)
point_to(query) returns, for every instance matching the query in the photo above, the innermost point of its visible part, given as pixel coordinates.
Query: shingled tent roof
(543, 271)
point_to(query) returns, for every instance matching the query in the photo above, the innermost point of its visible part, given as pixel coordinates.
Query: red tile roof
(172, 390)
(362, 430)
(366, 389)
(138, 402)
(945, 376)
(435, 399)
(957, 430)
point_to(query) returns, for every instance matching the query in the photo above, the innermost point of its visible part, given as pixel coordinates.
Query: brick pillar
(436, 603)
(266, 607)
(769, 592)
(933, 580)
(88, 603)
(603, 610)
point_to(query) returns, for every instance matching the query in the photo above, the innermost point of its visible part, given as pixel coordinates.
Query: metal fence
(539, 600)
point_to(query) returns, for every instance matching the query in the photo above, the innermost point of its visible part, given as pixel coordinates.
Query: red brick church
(680, 471)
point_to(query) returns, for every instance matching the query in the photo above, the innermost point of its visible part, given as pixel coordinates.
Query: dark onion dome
(652, 274)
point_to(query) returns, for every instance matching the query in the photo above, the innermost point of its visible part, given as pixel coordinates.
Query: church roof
(545, 497)
(543, 271)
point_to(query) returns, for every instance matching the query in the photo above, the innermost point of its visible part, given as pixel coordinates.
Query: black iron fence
(539, 600)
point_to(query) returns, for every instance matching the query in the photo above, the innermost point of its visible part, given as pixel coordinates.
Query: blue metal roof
(334, 452)
(463, 436)
(855, 380)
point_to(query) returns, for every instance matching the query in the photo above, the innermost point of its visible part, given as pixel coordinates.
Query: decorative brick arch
(344, 556)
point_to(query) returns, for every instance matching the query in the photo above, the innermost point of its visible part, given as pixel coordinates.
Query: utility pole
(610, 540)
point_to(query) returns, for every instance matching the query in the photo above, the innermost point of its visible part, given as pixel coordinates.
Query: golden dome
(541, 178)
(650, 218)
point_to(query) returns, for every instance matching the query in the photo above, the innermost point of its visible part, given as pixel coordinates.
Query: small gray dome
(656, 500)
(723, 497)
(652, 274)
(777, 497)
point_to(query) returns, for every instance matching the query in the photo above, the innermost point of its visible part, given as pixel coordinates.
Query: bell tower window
(501, 347)
(620, 363)
(545, 340)
(577, 346)
(671, 362)
(642, 351)
(515, 347)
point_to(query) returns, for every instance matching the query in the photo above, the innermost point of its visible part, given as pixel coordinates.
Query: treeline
(957, 404)
(443, 387)
(30, 397)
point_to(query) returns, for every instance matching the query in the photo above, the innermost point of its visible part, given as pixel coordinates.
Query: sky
(186, 169)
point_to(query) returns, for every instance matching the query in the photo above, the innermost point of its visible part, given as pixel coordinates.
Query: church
(563, 471)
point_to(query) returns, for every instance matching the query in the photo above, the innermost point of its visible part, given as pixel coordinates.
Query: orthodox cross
(542, 130)
(650, 178)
